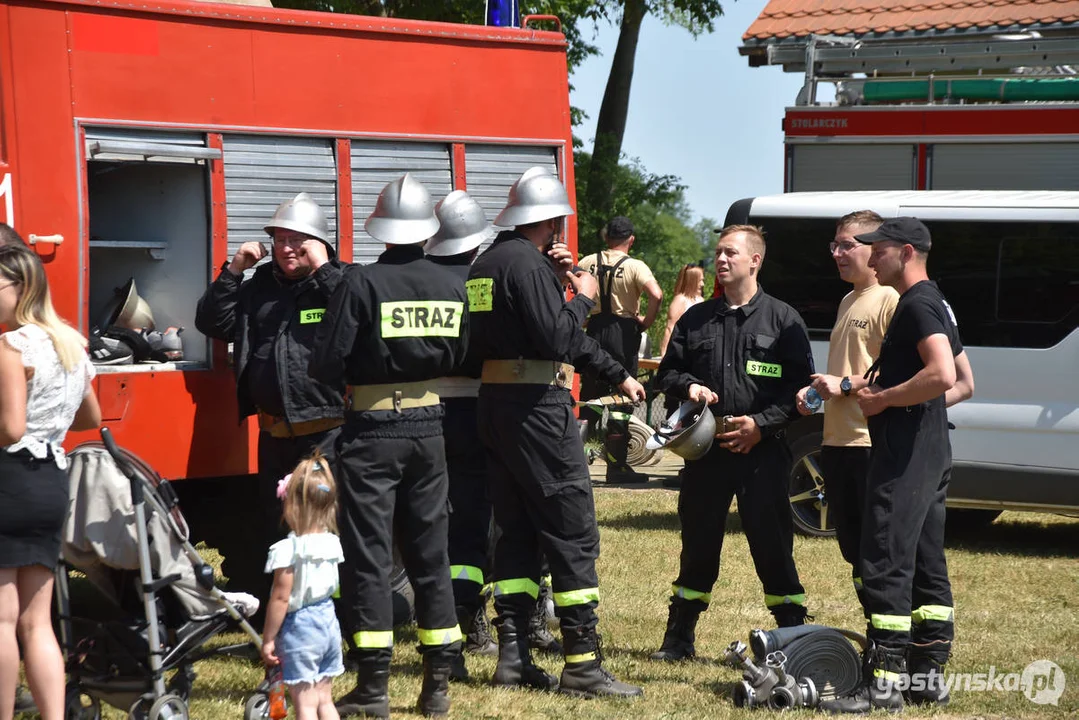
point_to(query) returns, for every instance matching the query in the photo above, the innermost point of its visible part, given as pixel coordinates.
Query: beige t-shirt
(627, 285)
(854, 345)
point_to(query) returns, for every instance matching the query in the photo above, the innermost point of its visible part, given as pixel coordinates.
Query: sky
(697, 109)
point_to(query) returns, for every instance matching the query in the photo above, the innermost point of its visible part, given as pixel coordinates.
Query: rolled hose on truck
(797, 666)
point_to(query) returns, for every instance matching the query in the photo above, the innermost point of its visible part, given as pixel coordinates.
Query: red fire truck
(147, 141)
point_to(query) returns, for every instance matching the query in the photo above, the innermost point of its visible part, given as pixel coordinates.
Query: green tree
(656, 204)
(696, 16)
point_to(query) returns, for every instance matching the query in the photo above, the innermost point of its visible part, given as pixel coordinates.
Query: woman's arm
(88, 416)
(12, 395)
(678, 306)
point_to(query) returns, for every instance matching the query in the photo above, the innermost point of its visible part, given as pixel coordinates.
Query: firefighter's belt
(528, 372)
(394, 396)
(458, 387)
(278, 427)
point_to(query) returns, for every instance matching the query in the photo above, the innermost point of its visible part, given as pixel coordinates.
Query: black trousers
(845, 470)
(277, 457)
(759, 481)
(621, 338)
(542, 499)
(470, 505)
(382, 480)
(904, 572)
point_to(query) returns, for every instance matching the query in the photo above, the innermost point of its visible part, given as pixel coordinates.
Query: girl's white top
(313, 559)
(53, 395)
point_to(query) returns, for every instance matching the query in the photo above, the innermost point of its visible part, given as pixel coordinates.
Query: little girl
(301, 631)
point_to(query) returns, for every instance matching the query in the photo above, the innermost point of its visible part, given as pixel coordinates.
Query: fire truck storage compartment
(148, 199)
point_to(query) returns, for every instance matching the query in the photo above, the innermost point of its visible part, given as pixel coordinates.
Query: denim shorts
(309, 644)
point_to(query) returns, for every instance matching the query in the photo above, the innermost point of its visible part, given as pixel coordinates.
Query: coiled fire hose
(823, 654)
(637, 454)
(796, 667)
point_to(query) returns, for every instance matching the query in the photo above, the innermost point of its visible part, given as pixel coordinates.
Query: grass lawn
(1016, 585)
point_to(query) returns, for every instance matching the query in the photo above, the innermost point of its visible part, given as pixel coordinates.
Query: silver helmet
(301, 214)
(463, 226)
(537, 195)
(688, 432)
(127, 310)
(404, 213)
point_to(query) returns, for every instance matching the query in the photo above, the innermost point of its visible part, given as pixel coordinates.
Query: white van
(1008, 262)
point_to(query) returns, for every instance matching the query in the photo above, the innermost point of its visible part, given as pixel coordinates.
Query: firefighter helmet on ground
(300, 214)
(403, 214)
(537, 195)
(463, 226)
(688, 432)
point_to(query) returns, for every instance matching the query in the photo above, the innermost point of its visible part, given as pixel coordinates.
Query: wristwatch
(845, 386)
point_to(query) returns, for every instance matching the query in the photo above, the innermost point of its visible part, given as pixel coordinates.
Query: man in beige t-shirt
(617, 325)
(861, 322)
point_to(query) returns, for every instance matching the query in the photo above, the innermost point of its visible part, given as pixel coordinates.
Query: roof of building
(783, 19)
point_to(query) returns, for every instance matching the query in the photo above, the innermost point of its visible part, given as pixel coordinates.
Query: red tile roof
(798, 18)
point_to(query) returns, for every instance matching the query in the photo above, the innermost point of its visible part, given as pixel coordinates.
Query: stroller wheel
(257, 707)
(168, 707)
(80, 707)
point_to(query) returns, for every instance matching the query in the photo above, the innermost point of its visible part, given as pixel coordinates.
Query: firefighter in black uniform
(905, 583)
(462, 229)
(526, 334)
(391, 329)
(271, 320)
(746, 354)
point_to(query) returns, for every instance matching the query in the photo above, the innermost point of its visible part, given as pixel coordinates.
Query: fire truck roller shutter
(835, 166)
(378, 162)
(261, 172)
(1004, 166)
(490, 170)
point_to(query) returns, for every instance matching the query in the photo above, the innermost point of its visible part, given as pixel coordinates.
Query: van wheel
(809, 506)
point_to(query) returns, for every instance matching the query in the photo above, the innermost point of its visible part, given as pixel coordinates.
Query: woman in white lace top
(44, 391)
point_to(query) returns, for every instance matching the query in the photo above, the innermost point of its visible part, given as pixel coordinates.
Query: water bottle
(813, 399)
(278, 705)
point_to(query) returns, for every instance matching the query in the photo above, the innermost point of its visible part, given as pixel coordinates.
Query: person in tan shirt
(617, 324)
(861, 322)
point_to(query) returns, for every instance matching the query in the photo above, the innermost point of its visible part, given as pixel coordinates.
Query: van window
(1011, 284)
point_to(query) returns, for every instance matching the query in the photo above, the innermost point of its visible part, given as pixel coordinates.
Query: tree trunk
(611, 123)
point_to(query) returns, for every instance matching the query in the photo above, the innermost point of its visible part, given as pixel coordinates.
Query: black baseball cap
(906, 230)
(619, 228)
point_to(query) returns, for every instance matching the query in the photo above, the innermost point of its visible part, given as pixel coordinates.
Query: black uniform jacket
(226, 312)
(401, 319)
(519, 310)
(755, 357)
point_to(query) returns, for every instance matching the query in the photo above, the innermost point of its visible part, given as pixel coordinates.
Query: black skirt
(33, 505)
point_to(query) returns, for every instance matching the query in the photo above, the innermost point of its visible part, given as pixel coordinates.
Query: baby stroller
(125, 532)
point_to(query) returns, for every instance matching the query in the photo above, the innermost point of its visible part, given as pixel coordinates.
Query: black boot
(371, 696)
(616, 446)
(926, 666)
(515, 667)
(790, 615)
(884, 671)
(477, 632)
(583, 674)
(540, 637)
(681, 625)
(434, 698)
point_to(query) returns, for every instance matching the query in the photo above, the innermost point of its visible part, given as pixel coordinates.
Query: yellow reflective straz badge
(481, 294)
(421, 318)
(313, 315)
(763, 369)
